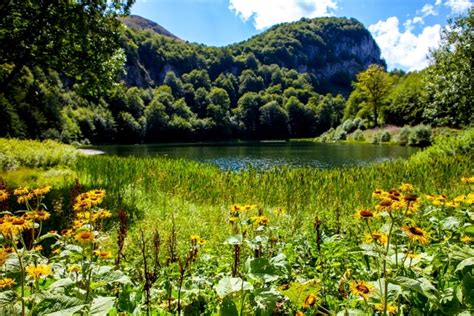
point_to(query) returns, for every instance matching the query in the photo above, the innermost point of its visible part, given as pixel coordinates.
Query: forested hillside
(145, 85)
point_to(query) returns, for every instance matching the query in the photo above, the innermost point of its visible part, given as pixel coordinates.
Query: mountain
(330, 50)
(139, 23)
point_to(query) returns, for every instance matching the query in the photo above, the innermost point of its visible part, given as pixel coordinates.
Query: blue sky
(405, 30)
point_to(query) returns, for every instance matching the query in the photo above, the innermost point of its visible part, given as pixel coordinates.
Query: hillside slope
(331, 50)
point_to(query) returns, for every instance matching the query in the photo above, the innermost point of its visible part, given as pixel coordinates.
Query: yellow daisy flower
(416, 233)
(38, 271)
(84, 236)
(3, 195)
(6, 282)
(362, 288)
(391, 308)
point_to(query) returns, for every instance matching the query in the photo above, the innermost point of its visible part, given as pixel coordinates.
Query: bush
(420, 136)
(385, 137)
(340, 134)
(375, 138)
(358, 135)
(402, 138)
(348, 126)
(360, 123)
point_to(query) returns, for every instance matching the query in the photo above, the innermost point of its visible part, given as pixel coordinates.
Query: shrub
(375, 138)
(402, 138)
(340, 134)
(348, 126)
(385, 137)
(358, 135)
(420, 136)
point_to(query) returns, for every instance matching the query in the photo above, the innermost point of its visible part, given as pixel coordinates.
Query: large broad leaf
(265, 300)
(228, 285)
(102, 305)
(297, 292)
(420, 285)
(267, 270)
(469, 262)
(56, 305)
(228, 308)
(61, 283)
(7, 297)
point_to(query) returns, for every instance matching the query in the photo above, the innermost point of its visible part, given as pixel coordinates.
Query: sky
(405, 30)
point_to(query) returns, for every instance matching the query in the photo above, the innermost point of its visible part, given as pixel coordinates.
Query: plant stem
(385, 264)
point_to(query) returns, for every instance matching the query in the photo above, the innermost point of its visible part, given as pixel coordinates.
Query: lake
(263, 155)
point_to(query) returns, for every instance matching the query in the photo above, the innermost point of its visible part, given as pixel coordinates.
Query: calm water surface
(262, 155)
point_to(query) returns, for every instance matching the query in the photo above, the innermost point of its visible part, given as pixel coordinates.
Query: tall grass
(15, 153)
(331, 193)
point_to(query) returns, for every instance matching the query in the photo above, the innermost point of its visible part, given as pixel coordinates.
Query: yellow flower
(235, 209)
(23, 198)
(3, 195)
(249, 207)
(364, 214)
(103, 254)
(416, 233)
(407, 187)
(21, 191)
(459, 199)
(38, 271)
(84, 236)
(260, 220)
(391, 308)
(19, 224)
(74, 268)
(101, 214)
(309, 301)
(6, 282)
(466, 239)
(233, 219)
(380, 194)
(3, 256)
(299, 313)
(467, 179)
(40, 215)
(362, 288)
(38, 248)
(378, 237)
(197, 240)
(41, 191)
(280, 211)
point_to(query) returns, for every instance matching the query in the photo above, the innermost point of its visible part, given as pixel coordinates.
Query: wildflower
(416, 233)
(101, 214)
(377, 237)
(410, 197)
(235, 209)
(197, 240)
(280, 211)
(233, 219)
(249, 207)
(21, 191)
(467, 180)
(66, 232)
(3, 256)
(23, 198)
(74, 268)
(56, 251)
(407, 187)
(412, 255)
(3, 195)
(40, 215)
(364, 214)
(466, 239)
(470, 198)
(362, 289)
(41, 191)
(380, 194)
(19, 224)
(299, 313)
(85, 236)
(38, 248)
(310, 300)
(38, 271)
(391, 308)
(102, 254)
(260, 220)
(6, 282)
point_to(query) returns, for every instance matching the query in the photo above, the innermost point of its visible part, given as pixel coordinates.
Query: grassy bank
(286, 241)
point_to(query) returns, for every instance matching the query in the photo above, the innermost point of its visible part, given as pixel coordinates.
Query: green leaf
(465, 263)
(469, 230)
(7, 297)
(420, 285)
(450, 223)
(59, 305)
(266, 300)
(267, 270)
(61, 283)
(228, 308)
(228, 285)
(102, 305)
(297, 292)
(234, 240)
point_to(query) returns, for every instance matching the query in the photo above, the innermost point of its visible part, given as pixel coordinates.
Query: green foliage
(449, 79)
(420, 136)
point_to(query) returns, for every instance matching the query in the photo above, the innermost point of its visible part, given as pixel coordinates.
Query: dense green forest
(294, 80)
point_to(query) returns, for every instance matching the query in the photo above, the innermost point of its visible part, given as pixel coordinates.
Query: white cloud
(265, 13)
(428, 9)
(438, 2)
(405, 49)
(458, 6)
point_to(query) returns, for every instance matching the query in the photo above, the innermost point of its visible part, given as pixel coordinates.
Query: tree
(249, 82)
(79, 39)
(374, 86)
(247, 112)
(300, 118)
(273, 121)
(450, 83)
